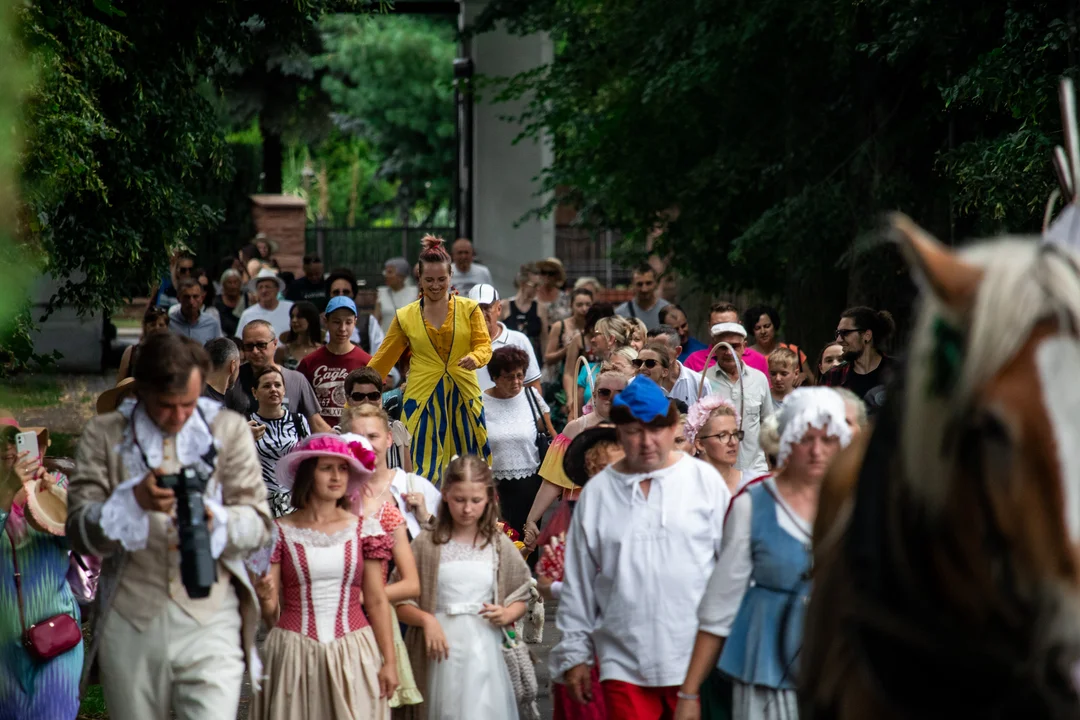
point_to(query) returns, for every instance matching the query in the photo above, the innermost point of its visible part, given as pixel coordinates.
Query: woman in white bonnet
(751, 616)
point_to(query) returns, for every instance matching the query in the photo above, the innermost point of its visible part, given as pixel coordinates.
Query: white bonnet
(813, 407)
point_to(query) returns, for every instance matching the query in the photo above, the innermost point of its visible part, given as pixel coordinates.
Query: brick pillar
(283, 218)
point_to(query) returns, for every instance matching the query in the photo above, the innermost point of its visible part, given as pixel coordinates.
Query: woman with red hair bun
(448, 338)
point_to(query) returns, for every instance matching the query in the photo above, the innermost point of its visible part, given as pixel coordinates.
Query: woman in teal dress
(30, 690)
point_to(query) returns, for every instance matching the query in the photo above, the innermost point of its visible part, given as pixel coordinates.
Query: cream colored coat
(139, 584)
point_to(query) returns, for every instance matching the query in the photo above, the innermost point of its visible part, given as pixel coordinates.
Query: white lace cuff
(219, 535)
(247, 530)
(123, 520)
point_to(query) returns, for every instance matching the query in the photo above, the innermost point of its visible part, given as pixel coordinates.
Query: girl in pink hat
(323, 657)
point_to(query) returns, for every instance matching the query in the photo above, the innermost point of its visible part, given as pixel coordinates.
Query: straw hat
(553, 265)
(265, 274)
(47, 501)
(354, 449)
(111, 398)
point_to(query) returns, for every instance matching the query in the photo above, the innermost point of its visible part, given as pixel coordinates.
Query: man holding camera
(169, 490)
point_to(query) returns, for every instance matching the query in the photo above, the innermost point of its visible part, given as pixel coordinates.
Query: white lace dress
(473, 682)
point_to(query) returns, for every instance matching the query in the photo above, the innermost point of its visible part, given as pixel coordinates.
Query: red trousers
(632, 702)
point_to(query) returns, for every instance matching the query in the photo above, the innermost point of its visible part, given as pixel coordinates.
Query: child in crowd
(783, 372)
(473, 584)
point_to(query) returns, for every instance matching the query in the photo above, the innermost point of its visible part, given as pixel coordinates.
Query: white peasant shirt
(636, 571)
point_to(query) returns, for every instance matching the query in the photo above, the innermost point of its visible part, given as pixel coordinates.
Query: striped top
(277, 441)
(322, 581)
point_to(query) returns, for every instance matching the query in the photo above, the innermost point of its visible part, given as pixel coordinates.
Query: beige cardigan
(514, 581)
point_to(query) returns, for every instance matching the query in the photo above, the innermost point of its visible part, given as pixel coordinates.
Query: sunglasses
(181, 270)
(336, 293)
(256, 346)
(844, 333)
(605, 393)
(725, 437)
(650, 363)
(370, 397)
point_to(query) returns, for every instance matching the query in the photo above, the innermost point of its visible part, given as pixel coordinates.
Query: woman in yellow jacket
(442, 405)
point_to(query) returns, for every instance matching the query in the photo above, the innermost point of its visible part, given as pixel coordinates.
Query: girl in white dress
(473, 583)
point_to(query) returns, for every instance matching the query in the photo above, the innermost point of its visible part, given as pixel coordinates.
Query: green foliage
(391, 81)
(767, 136)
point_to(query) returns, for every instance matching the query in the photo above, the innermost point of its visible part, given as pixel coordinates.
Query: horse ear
(935, 266)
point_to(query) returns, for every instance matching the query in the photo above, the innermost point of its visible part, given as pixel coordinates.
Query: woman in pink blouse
(323, 658)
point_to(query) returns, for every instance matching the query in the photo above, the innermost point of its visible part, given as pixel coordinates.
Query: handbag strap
(534, 410)
(18, 581)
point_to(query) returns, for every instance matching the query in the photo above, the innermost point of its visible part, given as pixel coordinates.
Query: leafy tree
(124, 144)
(391, 81)
(766, 137)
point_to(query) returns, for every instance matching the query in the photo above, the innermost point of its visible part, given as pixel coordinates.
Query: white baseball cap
(484, 294)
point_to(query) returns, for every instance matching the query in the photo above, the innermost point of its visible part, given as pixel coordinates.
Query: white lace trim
(454, 551)
(121, 517)
(316, 538)
(258, 561)
(819, 408)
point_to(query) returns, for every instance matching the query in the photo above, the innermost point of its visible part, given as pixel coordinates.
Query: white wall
(505, 175)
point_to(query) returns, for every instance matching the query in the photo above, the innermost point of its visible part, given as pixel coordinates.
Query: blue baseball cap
(340, 302)
(644, 399)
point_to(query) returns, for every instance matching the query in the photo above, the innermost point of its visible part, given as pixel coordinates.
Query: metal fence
(364, 250)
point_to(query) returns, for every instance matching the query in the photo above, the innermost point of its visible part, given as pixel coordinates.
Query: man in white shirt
(266, 286)
(466, 272)
(687, 382)
(748, 390)
(645, 305)
(501, 336)
(642, 543)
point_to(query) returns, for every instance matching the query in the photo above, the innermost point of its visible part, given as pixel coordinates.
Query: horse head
(958, 574)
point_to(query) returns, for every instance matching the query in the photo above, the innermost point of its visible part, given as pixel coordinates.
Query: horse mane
(1024, 282)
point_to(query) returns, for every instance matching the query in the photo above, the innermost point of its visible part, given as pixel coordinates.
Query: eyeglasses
(650, 363)
(844, 333)
(375, 396)
(725, 437)
(605, 393)
(248, 347)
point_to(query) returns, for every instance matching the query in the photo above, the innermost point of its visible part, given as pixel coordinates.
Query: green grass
(93, 705)
(31, 391)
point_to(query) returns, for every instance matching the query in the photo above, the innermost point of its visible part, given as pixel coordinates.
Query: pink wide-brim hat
(357, 452)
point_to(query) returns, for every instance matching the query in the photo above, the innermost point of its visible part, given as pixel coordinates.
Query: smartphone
(27, 442)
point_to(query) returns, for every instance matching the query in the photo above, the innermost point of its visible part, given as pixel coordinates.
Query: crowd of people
(370, 491)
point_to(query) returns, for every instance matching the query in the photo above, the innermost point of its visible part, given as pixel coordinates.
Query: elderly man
(719, 314)
(501, 336)
(748, 391)
(266, 286)
(642, 544)
(166, 643)
(260, 343)
(675, 316)
(466, 272)
(189, 318)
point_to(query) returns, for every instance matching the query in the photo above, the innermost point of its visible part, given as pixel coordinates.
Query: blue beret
(644, 399)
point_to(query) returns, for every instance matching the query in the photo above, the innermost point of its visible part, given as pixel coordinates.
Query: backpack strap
(363, 329)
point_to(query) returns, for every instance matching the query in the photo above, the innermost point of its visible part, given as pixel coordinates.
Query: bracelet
(687, 696)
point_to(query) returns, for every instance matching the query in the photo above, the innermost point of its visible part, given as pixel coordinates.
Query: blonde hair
(353, 413)
(784, 358)
(468, 468)
(638, 327)
(856, 402)
(626, 351)
(587, 280)
(617, 328)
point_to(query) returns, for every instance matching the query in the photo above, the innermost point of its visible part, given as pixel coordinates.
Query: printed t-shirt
(326, 372)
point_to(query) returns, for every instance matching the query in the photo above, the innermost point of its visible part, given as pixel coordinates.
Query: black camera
(198, 569)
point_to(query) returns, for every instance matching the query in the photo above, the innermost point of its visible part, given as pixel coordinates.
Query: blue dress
(28, 690)
(772, 610)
